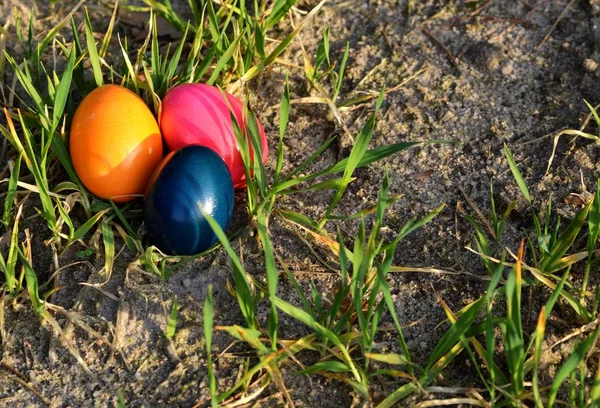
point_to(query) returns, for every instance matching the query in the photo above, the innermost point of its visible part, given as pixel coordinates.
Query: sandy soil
(500, 73)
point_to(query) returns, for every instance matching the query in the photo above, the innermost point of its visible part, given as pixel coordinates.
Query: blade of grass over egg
(517, 174)
(252, 198)
(242, 286)
(123, 220)
(93, 51)
(358, 151)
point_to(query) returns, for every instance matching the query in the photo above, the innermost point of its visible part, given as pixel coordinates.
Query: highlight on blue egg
(187, 182)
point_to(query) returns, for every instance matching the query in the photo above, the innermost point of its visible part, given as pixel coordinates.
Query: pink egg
(198, 114)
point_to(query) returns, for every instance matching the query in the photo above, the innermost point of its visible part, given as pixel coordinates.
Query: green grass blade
(109, 248)
(10, 265)
(513, 334)
(279, 10)
(575, 359)
(454, 333)
(62, 91)
(255, 70)
(308, 320)
(284, 113)
(517, 174)
(26, 83)
(595, 114)
(537, 355)
(382, 271)
(594, 221)
(398, 395)
(12, 189)
(326, 366)
(109, 31)
(551, 262)
(370, 156)
(356, 154)
(176, 58)
(340, 77)
(310, 159)
(413, 225)
(272, 275)
(224, 59)
(93, 51)
(208, 334)
(172, 321)
(32, 283)
(84, 229)
(595, 390)
(242, 286)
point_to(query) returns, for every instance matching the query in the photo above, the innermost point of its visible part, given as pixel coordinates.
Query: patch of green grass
(228, 44)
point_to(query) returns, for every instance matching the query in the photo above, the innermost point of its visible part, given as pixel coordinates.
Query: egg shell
(115, 143)
(186, 183)
(198, 114)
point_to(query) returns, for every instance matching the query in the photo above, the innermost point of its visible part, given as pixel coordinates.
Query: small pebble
(508, 69)
(590, 65)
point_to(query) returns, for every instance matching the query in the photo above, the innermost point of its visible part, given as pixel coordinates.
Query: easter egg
(188, 183)
(115, 143)
(199, 114)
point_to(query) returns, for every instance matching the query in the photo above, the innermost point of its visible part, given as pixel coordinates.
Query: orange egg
(115, 143)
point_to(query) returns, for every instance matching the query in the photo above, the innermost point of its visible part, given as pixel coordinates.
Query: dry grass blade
(560, 17)
(451, 401)
(583, 329)
(26, 384)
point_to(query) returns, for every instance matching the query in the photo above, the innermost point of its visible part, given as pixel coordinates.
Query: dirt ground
(494, 72)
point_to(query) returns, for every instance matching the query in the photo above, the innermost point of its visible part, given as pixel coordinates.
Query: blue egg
(186, 182)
